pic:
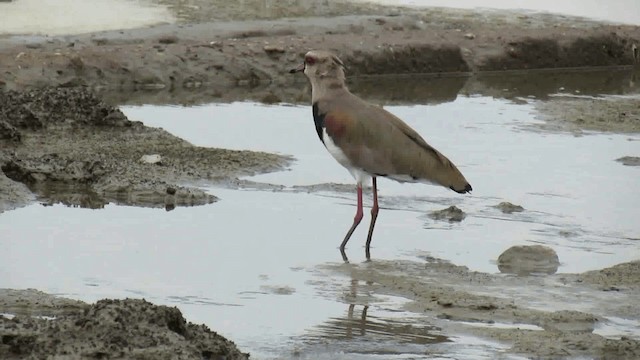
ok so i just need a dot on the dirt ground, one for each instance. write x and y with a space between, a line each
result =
224 59
121 329
62 140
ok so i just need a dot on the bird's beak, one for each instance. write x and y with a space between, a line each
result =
300 68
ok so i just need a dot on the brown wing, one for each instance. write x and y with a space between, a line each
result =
384 145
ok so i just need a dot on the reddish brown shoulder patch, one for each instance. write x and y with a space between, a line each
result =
336 123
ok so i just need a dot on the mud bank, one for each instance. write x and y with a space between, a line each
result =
206 52
576 114
496 307
38 325
67 146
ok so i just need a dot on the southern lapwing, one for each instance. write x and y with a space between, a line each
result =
368 140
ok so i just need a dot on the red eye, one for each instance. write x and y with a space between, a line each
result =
309 60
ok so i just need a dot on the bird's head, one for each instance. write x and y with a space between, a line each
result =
319 65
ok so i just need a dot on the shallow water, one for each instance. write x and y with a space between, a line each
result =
557 177
250 265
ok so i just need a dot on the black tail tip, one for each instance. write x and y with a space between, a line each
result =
466 189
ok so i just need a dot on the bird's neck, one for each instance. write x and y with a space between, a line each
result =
322 86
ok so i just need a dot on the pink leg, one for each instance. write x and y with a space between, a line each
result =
356 221
374 216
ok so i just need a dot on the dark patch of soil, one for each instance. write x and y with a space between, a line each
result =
113 329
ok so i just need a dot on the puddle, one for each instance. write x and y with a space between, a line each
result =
557 178
615 328
62 17
272 242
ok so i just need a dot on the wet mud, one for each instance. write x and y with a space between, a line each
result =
577 114
67 146
43 326
490 306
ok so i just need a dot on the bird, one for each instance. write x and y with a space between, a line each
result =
369 141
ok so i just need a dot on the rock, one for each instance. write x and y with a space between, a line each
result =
528 259
13 195
273 49
151 159
9 132
37 109
508 208
451 214
470 36
168 39
629 160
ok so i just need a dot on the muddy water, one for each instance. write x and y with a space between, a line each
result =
261 266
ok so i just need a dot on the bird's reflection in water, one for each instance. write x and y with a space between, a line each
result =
361 332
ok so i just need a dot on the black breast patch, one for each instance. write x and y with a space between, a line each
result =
318 119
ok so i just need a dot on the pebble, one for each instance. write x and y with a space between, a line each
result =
151 159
